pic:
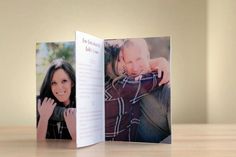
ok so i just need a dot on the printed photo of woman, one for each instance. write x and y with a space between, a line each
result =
56 102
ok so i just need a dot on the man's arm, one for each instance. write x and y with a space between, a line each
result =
134 89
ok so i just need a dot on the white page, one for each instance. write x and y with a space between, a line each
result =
90 128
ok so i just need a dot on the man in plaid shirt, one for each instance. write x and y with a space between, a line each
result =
121 104
122 109
155 120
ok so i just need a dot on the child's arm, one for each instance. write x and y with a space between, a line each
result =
134 89
161 65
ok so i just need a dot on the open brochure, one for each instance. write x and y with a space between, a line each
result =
92 90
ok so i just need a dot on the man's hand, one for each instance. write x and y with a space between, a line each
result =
162 66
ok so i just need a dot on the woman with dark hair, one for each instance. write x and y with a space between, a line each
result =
57 90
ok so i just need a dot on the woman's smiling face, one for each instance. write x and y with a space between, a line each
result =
61 85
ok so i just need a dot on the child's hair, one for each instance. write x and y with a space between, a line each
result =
111 57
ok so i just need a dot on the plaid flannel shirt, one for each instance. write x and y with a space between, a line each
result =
122 109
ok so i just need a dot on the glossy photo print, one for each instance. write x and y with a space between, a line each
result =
137 90
55 99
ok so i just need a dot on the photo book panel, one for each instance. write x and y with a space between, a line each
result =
137 90
92 90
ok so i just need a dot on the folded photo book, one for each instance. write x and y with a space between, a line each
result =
92 90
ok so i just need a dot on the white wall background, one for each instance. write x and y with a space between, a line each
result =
202 38
221 57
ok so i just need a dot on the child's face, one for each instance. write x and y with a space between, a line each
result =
61 85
